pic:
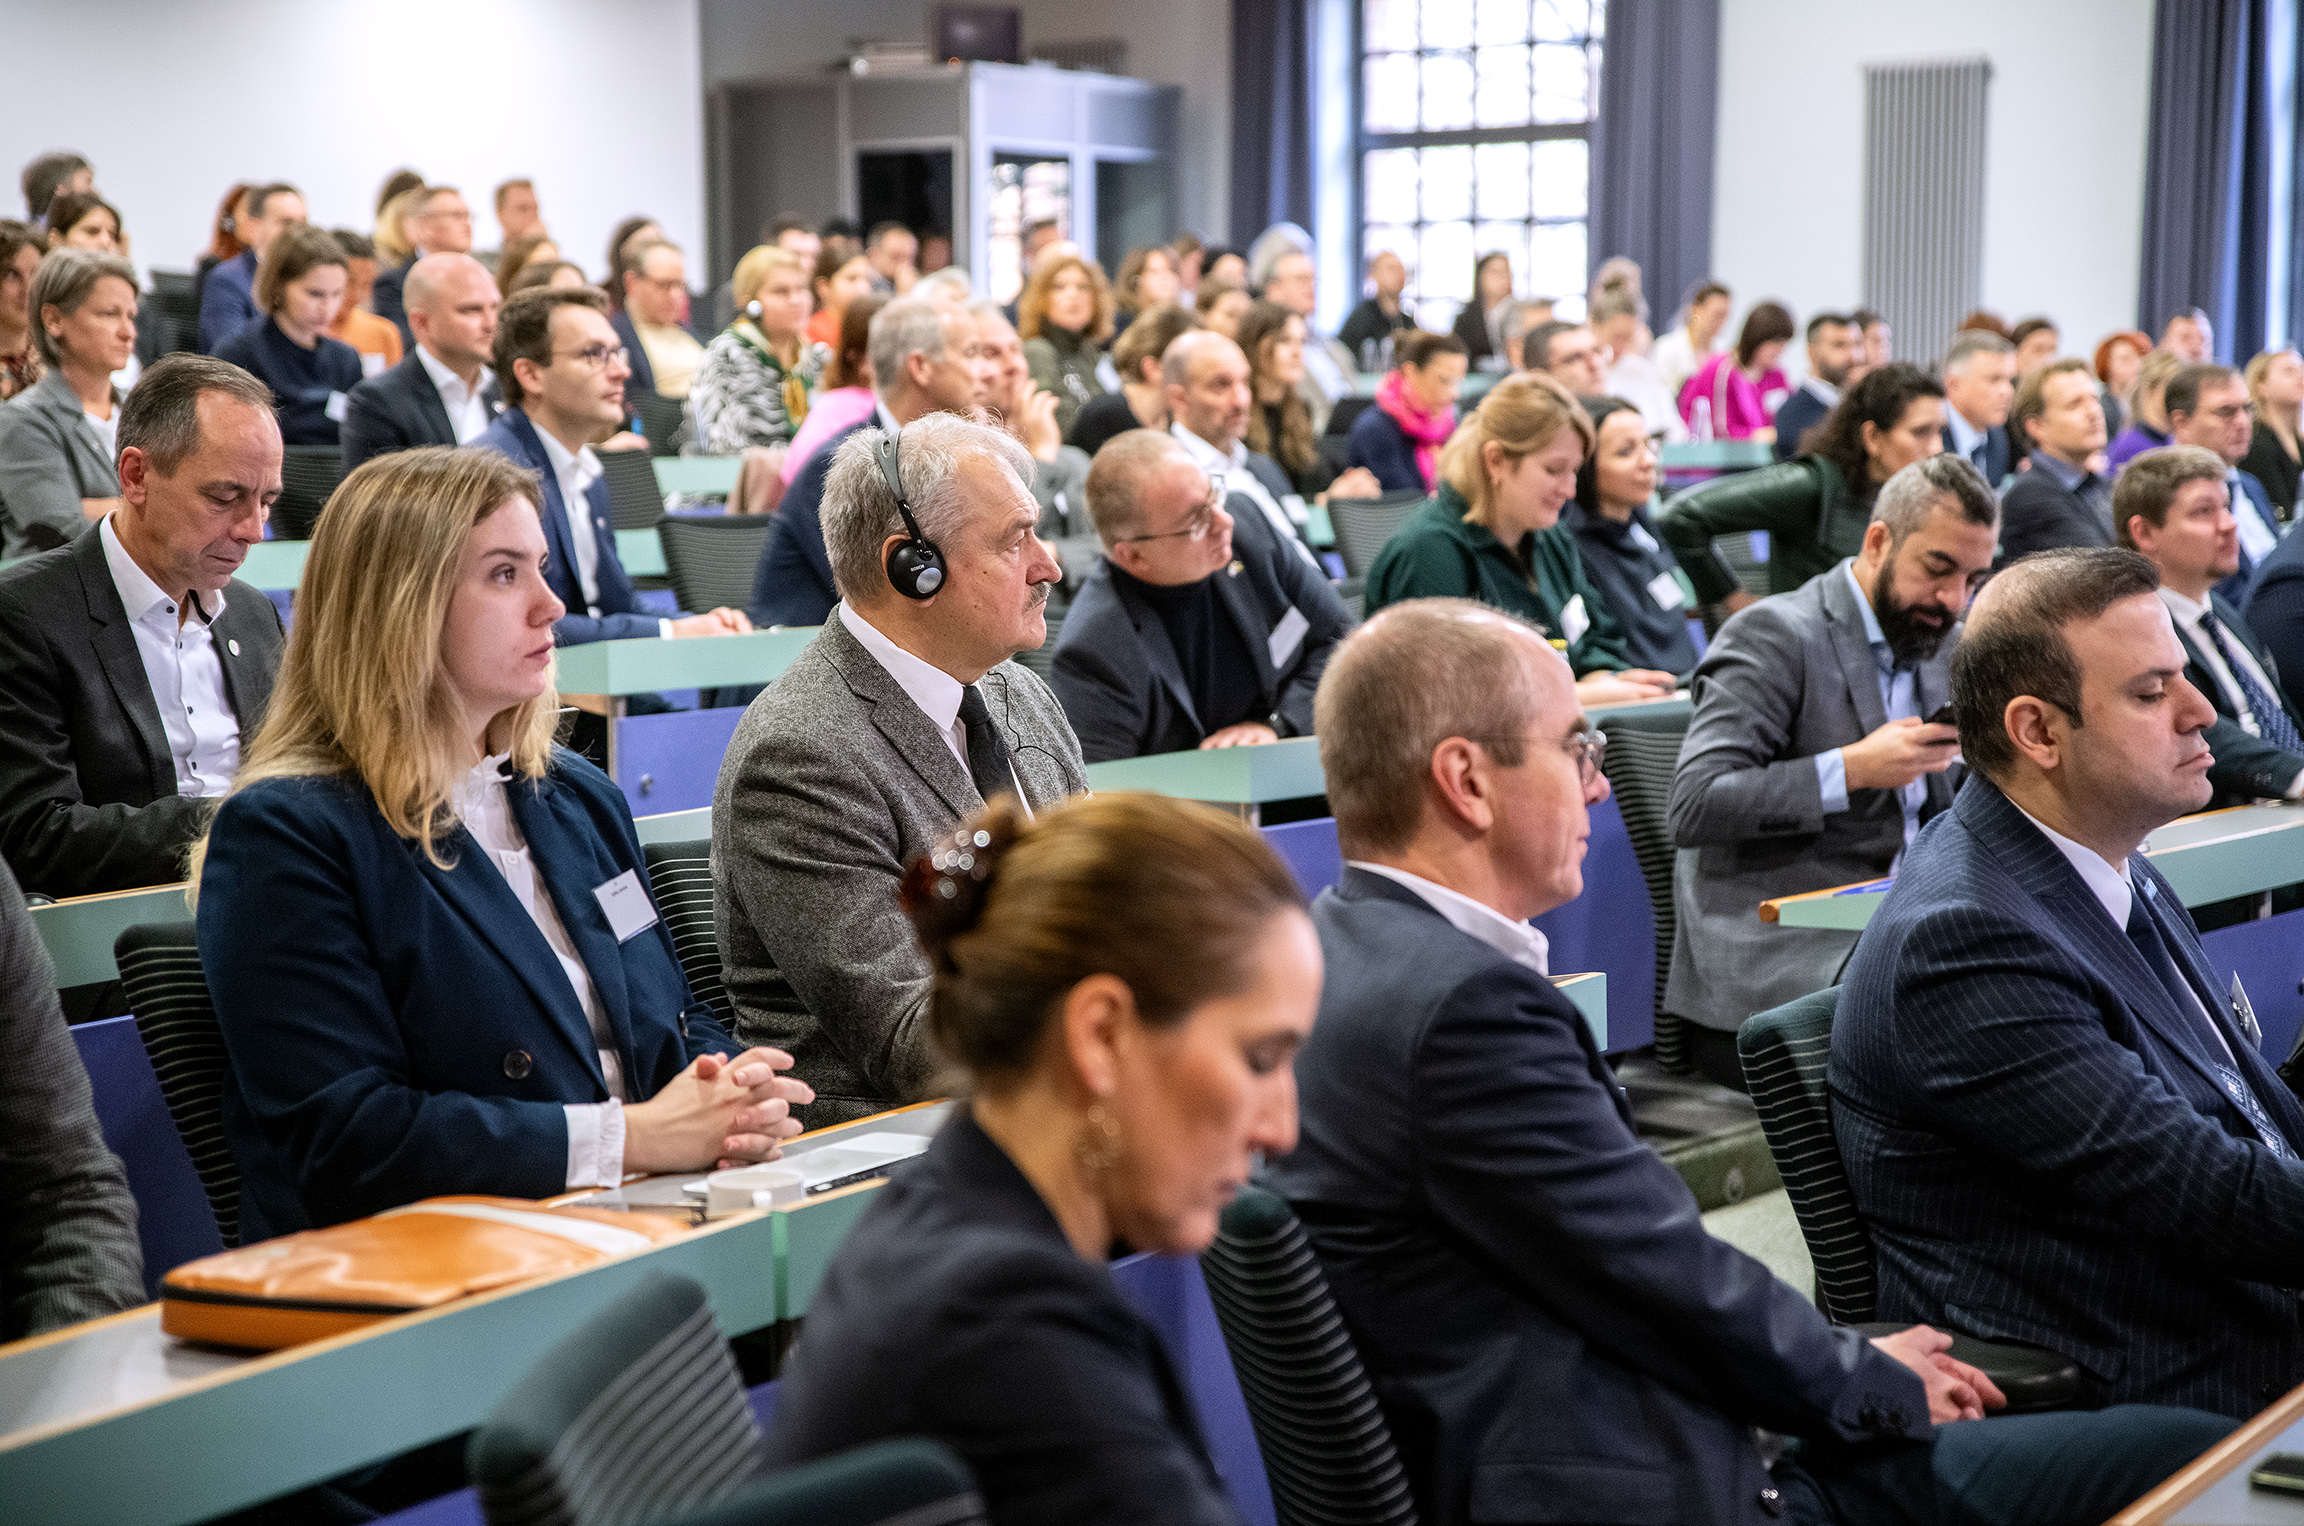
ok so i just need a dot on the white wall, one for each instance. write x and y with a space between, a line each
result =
596 100
2065 133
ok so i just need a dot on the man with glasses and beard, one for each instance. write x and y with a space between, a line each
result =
1817 749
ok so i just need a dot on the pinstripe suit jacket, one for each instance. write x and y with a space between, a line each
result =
2036 1136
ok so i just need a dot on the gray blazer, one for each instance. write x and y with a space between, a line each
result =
1786 679
833 784
50 459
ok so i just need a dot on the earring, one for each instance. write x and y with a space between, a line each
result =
1098 1144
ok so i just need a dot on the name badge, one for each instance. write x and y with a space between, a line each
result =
1573 621
371 365
1664 588
2244 1014
338 405
627 905
1642 539
1288 638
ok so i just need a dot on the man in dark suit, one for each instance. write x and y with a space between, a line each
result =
133 665
1979 384
1811 760
2208 407
2173 507
1833 343
444 391
2061 501
926 356
1550 1332
904 715
441 224
562 373
2050 1103
1187 635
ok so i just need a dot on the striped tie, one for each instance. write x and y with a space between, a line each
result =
2272 723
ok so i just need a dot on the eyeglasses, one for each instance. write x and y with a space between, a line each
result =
1197 527
1589 748
598 357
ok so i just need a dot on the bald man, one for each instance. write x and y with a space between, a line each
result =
443 392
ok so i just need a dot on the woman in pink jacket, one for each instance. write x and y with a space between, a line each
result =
1734 395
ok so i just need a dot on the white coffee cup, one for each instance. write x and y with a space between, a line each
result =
748 1187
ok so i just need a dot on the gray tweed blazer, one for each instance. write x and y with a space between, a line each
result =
834 783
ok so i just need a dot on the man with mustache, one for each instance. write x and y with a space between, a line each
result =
2052 1110
1812 758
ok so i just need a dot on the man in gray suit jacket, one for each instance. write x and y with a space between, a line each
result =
901 717
1811 760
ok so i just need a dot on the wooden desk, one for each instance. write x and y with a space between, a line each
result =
2213 1489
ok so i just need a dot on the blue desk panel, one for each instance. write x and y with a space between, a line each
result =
671 762
173 1219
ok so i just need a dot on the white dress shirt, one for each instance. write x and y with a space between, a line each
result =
1900 698
181 665
577 471
1233 467
467 409
2186 612
595 1129
935 691
1516 941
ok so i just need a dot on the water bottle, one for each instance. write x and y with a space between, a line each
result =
1700 427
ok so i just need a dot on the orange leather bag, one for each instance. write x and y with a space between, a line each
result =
322 1282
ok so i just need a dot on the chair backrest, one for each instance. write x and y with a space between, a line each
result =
161 976
1327 1451
664 420
636 1415
910 1482
1042 658
712 562
1641 762
308 478
1784 1052
635 502
680 875
1363 525
1346 412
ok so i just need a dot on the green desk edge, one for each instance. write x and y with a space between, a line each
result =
1716 455
701 662
697 476
641 552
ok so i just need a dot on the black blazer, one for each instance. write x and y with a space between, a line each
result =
1999 461
2246 767
957 1310
399 409
88 796
2036 1136
2038 513
1801 412
1118 677
1549 1329
2275 613
1472 327
2268 462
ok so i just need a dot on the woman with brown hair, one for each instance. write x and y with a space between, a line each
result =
1221 305
519 253
1147 280
1735 395
2276 407
1064 319
20 248
474 993
299 288
1279 420
1120 1089
842 276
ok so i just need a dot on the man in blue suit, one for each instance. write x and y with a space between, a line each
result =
2208 407
1550 1332
2050 1103
1979 385
563 373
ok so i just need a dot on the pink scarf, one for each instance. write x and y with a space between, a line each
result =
1429 430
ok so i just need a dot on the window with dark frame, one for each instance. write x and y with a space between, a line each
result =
1475 121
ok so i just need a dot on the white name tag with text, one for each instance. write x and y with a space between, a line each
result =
338 405
627 905
1288 637
1573 621
1664 588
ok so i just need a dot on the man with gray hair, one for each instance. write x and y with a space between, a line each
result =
1185 637
902 716
1817 750
926 356
1979 386
132 663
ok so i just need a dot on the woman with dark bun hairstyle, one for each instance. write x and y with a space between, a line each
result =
1123 984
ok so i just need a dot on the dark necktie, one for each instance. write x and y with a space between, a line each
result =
987 754
2144 932
2272 723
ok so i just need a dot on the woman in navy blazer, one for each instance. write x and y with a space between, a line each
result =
427 930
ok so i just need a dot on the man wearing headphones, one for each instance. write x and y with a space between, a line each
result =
903 715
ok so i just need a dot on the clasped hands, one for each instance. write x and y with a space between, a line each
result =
1956 1391
719 1112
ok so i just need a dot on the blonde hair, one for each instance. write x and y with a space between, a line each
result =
393 245
753 269
361 689
1521 413
1032 307
2257 370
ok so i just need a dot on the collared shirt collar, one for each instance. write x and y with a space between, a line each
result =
1965 436
2111 886
138 593
2186 609
586 466
935 691
2070 476
1824 391
450 384
1872 634
1207 456
1516 941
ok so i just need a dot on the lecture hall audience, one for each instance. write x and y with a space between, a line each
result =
20 250
1569 353
375 341
299 287
1221 305
842 276
893 252
1289 277
1280 423
1619 318
1142 399
1695 334
1147 280
51 175
445 392
1210 401
2148 417
518 254
1479 323
2037 343
1833 344
1370 328
650 319
752 387
2189 336
57 437
2119 358
844 396
84 220
438 221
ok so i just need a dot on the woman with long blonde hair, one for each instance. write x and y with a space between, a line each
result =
2276 413
427 930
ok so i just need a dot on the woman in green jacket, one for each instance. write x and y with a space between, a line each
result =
1065 317
1814 507
1491 532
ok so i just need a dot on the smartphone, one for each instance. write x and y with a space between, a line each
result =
2282 1471
1943 715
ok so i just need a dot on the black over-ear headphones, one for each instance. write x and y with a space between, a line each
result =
915 566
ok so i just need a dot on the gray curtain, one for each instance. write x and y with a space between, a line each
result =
1652 146
2207 190
1271 115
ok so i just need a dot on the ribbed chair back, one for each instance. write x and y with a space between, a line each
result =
1327 1451
308 478
680 875
635 502
909 1482
664 420
1363 525
636 1416
711 562
160 973
1641 763
1042 658
1785 1051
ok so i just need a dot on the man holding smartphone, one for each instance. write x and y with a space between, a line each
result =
1818 747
